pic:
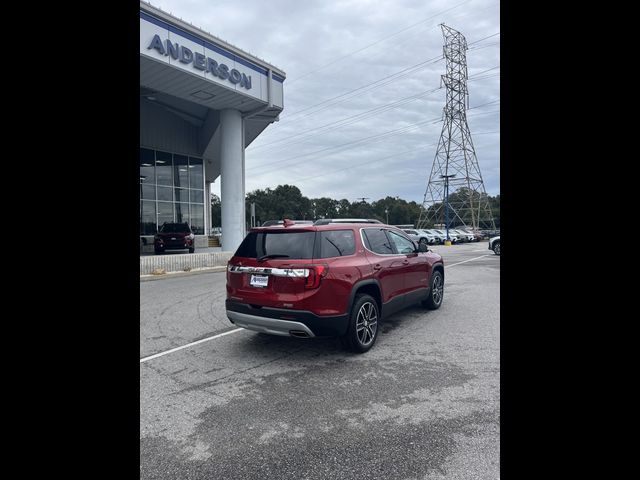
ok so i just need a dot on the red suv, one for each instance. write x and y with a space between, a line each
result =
329 280
174 236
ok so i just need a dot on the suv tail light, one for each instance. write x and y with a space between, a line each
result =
316 273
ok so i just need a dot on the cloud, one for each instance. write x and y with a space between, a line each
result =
314 43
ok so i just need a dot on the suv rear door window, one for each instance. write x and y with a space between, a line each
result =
376 241
295 245
403 245
336 243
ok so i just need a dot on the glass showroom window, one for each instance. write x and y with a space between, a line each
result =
147 192
171 190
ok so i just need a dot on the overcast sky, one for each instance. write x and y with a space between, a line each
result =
328 48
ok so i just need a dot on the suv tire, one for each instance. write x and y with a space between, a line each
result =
436 291
496 247
364 323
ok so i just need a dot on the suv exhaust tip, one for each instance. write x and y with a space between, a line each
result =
298 333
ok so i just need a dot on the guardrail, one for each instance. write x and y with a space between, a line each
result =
182 262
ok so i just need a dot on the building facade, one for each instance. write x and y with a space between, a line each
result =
202 102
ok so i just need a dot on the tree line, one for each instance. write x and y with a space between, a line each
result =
287 201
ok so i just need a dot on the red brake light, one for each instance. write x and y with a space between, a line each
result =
316 273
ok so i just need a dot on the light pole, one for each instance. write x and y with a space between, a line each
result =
386 210
446 205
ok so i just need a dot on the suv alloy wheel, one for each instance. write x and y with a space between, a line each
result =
436 292
363 324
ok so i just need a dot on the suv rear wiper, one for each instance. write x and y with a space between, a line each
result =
336 246
273 255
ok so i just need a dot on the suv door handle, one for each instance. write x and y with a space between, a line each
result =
377 266
406 262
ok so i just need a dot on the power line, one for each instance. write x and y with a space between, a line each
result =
347 120
388 79
375 43
369 162
354 118
404 72
376 137
345 123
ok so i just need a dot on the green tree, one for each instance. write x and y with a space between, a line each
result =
323 207
287 201
344 209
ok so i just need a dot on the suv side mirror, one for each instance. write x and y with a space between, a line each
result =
422 247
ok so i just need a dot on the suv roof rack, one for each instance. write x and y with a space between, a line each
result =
327 221
271 223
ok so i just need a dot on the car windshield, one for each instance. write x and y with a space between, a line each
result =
174 228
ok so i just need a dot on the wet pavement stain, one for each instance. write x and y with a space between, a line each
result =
258 435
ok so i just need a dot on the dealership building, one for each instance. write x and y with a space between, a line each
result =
202 102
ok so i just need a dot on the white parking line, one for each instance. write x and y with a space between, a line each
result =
151 357
189 345
465 261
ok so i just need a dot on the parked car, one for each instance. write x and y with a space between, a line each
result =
465 235
494 244
339 279
438 237
174 236
459 237
474 236
431 236
420 236
452 236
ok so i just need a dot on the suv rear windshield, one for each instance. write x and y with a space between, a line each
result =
175 228
295 245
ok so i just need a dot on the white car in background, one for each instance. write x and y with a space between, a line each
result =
440 238
432 234
494 244
452 236
469 237
420 236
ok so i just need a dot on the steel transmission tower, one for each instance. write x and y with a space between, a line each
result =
455 154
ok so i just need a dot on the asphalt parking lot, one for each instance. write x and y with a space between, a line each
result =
423 403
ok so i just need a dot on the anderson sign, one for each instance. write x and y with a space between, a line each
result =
199 61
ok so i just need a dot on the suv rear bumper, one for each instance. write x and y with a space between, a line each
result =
281 321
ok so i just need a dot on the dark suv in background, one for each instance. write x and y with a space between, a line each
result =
174 236
329 280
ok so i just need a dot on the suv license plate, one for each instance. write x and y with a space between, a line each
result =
259 280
